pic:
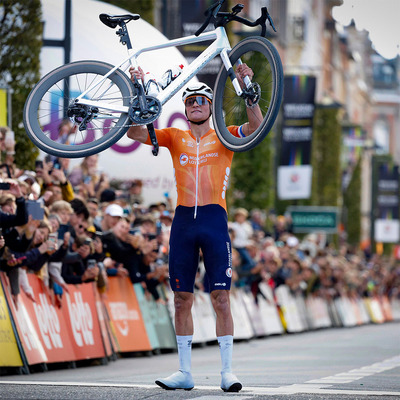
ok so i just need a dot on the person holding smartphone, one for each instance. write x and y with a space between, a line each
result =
20 216
76 267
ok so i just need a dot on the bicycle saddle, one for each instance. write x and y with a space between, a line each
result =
114 20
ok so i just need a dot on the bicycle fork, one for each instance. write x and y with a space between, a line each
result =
228 66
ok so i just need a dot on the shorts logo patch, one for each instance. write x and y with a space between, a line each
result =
183 159
229 272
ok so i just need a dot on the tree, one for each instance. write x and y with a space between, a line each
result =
351 202
252 177
20 44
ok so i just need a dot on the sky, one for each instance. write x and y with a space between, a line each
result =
379 17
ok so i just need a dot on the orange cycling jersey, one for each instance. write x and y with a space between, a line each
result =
201 166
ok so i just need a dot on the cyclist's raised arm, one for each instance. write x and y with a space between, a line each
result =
254 114
138 133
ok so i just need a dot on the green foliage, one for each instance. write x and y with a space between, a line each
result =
20 45
326 181
252 177
144 8
351 203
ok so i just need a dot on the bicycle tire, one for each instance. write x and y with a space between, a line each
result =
229 109
44 109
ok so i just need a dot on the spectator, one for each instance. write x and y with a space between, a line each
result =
79 218
76 268
8 217
87 179
113 213
241 239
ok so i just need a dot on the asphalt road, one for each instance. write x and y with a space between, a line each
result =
356 363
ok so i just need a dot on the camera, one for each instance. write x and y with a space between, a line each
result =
4 186
91 263
88 241
39 164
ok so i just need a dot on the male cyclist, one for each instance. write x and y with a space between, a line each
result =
202 166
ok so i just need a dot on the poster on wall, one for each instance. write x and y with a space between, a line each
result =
386 210
294 170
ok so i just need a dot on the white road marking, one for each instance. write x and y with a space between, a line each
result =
315 386
243 395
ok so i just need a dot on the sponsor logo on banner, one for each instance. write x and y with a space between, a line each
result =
387 231
26 331
120 314
48 322
81 320
294 182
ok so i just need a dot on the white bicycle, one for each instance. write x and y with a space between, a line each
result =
102 101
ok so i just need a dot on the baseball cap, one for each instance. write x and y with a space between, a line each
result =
115 210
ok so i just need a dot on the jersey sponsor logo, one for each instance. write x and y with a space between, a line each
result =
190 144
220 284
229 272
209 143
183 159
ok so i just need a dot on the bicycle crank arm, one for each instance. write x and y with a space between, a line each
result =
153 138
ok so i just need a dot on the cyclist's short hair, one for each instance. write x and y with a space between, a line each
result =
197 88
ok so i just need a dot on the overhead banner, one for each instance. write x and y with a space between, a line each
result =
295 171
386 210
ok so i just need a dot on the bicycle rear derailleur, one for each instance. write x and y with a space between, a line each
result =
81 114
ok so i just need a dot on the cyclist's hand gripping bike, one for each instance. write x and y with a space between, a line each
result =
102 102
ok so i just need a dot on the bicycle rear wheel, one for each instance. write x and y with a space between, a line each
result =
229 109
52 100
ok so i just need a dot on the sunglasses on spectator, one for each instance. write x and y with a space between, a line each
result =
200 100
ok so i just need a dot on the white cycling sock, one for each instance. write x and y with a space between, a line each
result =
185 352
226 346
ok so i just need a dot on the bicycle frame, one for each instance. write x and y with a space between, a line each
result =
219 46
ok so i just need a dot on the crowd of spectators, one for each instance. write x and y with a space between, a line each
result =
71 226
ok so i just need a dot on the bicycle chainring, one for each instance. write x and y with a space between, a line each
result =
144 115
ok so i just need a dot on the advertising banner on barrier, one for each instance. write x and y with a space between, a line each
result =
9 353
157 320
80 314
50 334
125 316
41 326
110 345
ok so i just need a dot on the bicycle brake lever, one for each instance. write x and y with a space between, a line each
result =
270 21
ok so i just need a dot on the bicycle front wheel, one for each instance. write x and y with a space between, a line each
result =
267 83
95 129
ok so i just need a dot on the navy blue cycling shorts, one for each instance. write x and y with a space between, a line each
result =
208 232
